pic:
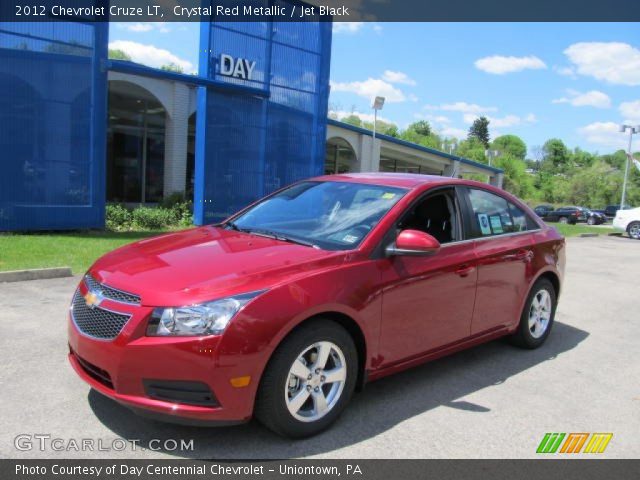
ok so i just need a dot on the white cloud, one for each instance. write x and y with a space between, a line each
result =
366 117
150 55
613 62
461 107
606 134
630 111
397 77
141 27
347 27
565 71
592 98
501 122
377 28
436 119
453 132
499 65
369 88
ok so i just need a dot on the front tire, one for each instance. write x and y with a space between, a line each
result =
591 221
634 230
309 380
537 316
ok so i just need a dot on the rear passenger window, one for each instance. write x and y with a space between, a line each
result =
493 215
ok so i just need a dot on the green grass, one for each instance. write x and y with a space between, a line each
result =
77 250
575 230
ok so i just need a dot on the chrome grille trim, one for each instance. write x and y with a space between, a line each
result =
97 322
110 292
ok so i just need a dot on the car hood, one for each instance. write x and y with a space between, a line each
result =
205 263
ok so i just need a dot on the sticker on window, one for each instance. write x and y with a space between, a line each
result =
349 238
483 221
388 195
496 223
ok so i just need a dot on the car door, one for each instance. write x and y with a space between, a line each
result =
427 301
503 246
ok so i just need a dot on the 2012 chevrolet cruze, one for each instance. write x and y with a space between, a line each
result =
284 309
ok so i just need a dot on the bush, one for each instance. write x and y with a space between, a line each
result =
148 218
117 218
178 215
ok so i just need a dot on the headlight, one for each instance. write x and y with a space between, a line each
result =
209 318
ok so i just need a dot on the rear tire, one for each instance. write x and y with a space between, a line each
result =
297 397
537 316
634 230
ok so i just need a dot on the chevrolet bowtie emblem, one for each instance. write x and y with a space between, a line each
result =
93 298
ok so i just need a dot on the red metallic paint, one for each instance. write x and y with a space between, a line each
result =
417 241
408 309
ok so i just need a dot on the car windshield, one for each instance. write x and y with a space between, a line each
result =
327 215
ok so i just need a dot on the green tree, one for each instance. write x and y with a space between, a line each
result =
510 145
480 129
421 127
516 180
117 54
172 67
352 120
556 157
473 149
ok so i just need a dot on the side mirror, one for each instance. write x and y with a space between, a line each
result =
413 243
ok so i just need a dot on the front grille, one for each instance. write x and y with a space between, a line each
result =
110 292
96 322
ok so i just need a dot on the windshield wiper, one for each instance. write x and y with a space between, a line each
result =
233 226
282 238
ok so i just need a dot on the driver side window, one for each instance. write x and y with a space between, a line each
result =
436 215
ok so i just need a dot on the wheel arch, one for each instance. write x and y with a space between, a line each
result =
350 325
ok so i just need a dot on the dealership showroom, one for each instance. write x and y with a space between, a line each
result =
82 131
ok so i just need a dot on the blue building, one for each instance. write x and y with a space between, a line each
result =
78 130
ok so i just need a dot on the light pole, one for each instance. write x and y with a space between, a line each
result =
632 130
378 103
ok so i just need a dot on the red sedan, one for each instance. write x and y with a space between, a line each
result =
284 309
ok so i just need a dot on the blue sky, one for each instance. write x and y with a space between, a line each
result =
574 81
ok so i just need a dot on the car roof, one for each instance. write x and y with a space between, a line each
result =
401 180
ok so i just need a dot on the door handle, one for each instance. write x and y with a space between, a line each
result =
522 255
464 270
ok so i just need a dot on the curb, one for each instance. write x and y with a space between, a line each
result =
35 274
589 235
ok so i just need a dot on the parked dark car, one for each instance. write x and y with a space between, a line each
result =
611 210
571 215
543 210
595 217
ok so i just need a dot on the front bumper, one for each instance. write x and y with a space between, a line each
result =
121 367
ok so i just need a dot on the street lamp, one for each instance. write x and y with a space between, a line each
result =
378 103
632 130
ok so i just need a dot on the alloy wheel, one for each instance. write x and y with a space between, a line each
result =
634 230
316 381
540 313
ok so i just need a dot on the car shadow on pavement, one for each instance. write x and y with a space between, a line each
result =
382 405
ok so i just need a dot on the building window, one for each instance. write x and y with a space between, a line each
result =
135 149
339 157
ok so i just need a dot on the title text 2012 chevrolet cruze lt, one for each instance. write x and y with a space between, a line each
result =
284 309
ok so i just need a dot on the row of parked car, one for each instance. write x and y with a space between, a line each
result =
625 219
575 214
